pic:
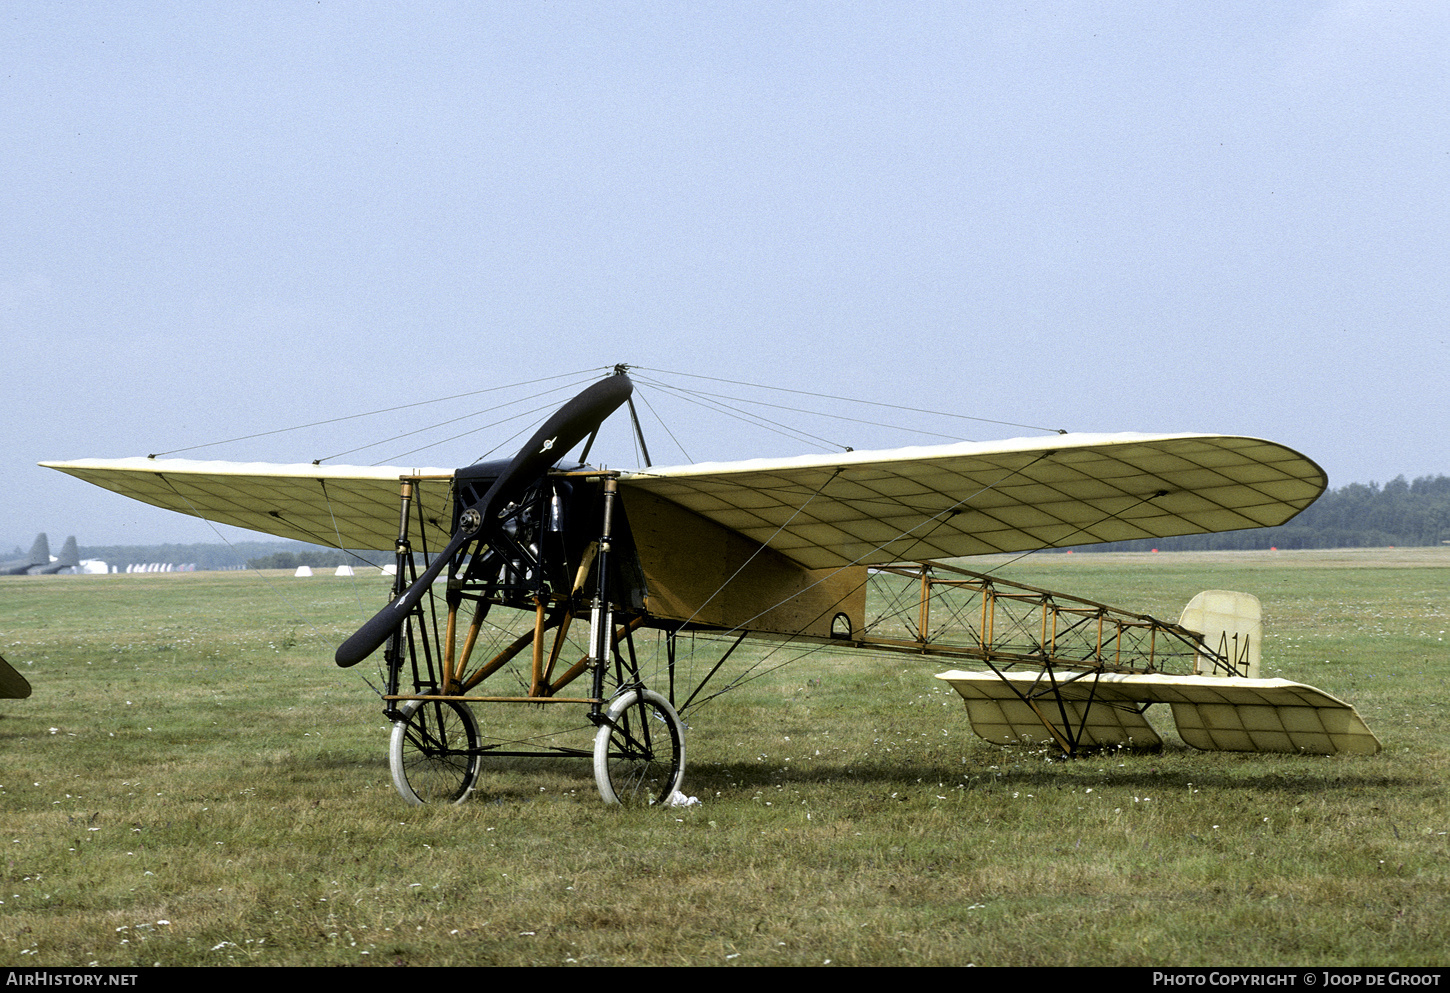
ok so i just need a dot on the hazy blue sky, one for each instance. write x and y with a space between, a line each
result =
221 219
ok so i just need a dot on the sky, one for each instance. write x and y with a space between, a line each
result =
224 219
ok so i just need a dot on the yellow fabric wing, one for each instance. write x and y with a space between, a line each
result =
946 501
339 506
821 511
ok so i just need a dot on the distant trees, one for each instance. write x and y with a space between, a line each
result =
321 559
245 554
204 556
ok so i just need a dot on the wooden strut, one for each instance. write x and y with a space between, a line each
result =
1056 623
449 631
499 661
582 666
543 685
1062 742
536 680
1061 620
564 622
471 640
546 688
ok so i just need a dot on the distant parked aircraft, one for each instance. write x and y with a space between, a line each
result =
39 562
39 555
70 557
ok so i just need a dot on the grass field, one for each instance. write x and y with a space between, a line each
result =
194 783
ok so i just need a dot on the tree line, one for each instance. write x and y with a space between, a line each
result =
322 558
239 555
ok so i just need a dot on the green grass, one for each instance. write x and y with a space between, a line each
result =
194 783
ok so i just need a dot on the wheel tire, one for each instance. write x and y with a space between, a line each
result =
639 752
433 753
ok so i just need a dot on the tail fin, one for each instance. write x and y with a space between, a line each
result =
1232 626
40 551
70 555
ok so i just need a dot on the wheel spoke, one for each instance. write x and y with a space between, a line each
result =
434 752
639 753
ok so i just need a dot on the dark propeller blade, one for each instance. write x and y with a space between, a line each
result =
569 425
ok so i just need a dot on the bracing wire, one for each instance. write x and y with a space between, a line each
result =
714 404
754 672
645 400
873 403
471 431
718 401
369 413
274 588
749 410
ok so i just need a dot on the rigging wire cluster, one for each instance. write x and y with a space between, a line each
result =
670 400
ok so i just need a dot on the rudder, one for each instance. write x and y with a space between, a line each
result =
1232 625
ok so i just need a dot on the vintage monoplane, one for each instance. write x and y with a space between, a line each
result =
792 550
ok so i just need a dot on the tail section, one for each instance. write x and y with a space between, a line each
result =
1232 627
40 551
1223 706
70 555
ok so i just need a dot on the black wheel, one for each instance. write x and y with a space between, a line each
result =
639 752
434 752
